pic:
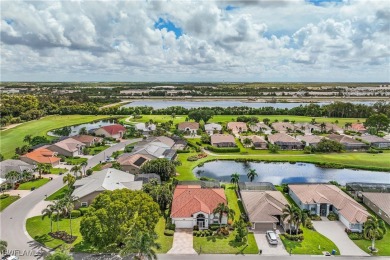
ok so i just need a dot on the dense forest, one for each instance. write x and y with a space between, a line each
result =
21 108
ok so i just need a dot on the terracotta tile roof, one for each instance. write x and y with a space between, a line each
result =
263 206
237 126
114 129
222 138
281 137
357 127
87 138
188 200
326 193
42 155
190 125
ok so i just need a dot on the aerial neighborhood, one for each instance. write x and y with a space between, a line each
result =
167 160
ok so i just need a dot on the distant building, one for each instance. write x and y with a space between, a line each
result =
376 141
88 140
132 163
258 142
348 142
379 203
332 128
223 140
237 127
310 140
283 127
307 128
212 128
145 128
41 155
285 142
358 127
261 127
114 131
18 166
189 127
67 147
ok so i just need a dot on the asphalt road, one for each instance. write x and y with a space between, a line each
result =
13 218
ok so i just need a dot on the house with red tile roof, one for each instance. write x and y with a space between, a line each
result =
41 155
358 127
193 205
321 199
114 131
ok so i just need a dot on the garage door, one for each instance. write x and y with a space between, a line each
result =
264 226
183 223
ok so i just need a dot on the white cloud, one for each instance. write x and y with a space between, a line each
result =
260 40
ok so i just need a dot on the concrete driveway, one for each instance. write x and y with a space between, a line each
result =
182 243
267 249
334 230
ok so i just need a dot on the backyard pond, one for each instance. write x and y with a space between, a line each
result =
74 130
278 173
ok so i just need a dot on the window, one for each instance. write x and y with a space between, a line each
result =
84 204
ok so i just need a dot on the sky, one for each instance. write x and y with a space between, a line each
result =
196 41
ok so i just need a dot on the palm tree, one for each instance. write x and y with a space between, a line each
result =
313 121
289 214
235 178
76 170
252 174
83 131
323 127
48 212
41 169
69 179
26 175
141 244
347 125
223 209
12 177
47 168
373 228
84 165
58 208
247 142
3 246
68 206
27 139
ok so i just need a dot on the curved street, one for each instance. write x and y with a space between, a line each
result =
13 218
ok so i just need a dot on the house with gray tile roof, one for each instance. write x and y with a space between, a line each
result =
376 141
9 165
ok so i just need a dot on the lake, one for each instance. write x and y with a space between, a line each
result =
89 126
156 104
278 173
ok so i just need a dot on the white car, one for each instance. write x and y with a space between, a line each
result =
271 237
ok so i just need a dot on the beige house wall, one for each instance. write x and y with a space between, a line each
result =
88 198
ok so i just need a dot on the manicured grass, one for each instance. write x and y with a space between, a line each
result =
163 240
34 183
75 161
310 244
57 170
233 201
12 138
383 245
7 201
58 194
97 149
97 167
39 229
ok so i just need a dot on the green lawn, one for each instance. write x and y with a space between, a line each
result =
57 170
12 138
163 240
58 194
7 201
227 245
34 183
97 149
75 161
383 245
310 244
39 229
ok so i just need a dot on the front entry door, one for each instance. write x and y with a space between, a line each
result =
201 224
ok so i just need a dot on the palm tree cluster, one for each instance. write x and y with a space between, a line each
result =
294 216
13 177
374 228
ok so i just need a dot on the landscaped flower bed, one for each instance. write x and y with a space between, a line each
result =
63 236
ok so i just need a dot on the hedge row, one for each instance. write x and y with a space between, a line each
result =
223 150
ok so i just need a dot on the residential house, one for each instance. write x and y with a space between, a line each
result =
283 127
264 208
309 140
194 206
331 128
132 163
379 203
148 177
212 128
321 199
285 142
68 147
114 131
18 166
180 143
258 142
88 140
307 128
237 127
260 127
145 128
358 127
376 141
348 142
189 127
223 140
155 149
41 155
88 188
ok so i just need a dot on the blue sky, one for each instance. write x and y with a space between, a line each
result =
195 40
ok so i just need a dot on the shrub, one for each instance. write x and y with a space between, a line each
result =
89 172
214 227
332 216
294 232
223 186
196 228
371 150
308 223
4 196
192 158
83 210
170 226
183 151
355 236
315 217
223 150
293 237
75 213
168 232
194 233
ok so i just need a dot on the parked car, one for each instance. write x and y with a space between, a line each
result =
271 237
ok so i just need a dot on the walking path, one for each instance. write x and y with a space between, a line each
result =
334 230
13 218
182 243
